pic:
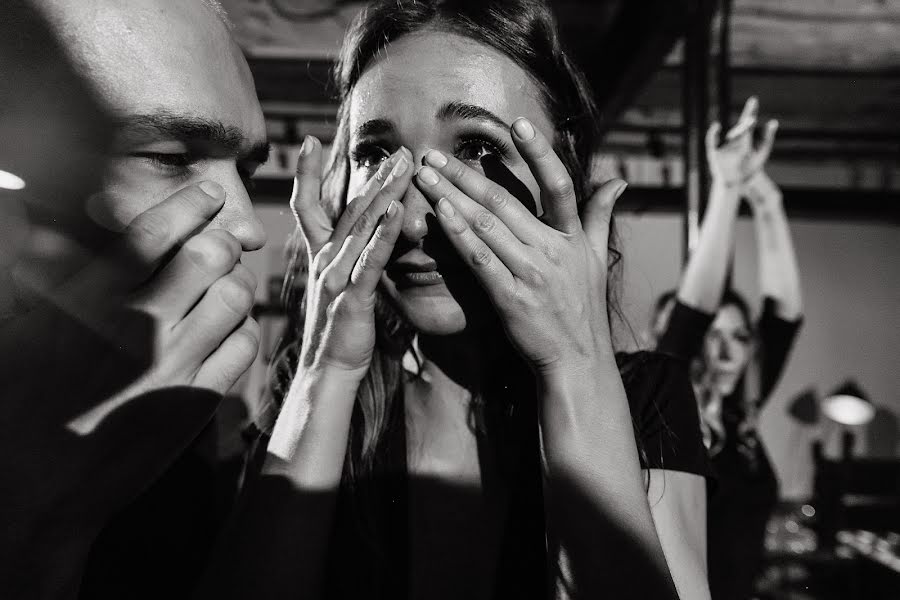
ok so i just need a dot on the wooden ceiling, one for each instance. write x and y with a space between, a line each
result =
833 64
829 70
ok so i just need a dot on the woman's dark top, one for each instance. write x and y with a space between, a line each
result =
156 547
746 489
667 424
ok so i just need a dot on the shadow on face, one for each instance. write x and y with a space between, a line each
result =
183 109
437 90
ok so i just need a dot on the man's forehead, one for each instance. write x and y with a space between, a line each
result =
147 56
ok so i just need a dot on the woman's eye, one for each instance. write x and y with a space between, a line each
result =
368 156
474 150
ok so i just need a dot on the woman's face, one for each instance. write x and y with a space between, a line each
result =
450 93
727 348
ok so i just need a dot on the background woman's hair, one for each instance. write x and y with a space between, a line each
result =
526 32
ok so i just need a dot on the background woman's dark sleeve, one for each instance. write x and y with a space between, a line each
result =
776 338
684 333
664 410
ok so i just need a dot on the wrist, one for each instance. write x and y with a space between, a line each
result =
762 191
570 393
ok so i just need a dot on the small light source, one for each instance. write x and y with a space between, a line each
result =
8 181
848 405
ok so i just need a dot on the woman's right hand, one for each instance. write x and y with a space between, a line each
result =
346 261
736 160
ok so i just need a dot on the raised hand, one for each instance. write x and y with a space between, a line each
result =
547 276
346 261
736 160
114 374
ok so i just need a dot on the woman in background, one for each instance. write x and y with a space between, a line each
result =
449 418
712 325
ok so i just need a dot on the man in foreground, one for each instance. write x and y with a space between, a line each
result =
125 310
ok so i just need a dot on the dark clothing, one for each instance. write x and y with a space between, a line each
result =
158 546
746 490
667 426
664 410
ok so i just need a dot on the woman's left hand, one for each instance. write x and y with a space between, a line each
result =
546 276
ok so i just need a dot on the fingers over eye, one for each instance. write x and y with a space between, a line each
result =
482 190
362 229
388 182
557 188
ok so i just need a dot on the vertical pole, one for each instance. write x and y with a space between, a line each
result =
695 117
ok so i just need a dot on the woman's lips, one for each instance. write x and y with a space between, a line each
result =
405 278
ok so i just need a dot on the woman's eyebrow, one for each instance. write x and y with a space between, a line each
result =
463 110
374 127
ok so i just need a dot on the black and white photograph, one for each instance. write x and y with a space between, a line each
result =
449 299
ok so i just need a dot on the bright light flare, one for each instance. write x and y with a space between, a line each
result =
848 410
8 181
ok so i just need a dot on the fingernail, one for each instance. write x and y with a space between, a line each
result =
213 189
400 166
523 128
621 189
306 148
435 159
445 207
391 209
428 176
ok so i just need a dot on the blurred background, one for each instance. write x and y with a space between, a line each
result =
662 70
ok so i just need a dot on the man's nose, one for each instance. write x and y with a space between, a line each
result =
237 217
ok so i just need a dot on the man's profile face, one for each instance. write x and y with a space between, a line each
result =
183 101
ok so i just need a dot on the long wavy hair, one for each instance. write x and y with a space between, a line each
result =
526 32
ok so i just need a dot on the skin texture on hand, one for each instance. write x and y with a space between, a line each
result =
545 276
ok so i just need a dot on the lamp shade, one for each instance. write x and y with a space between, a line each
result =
848 405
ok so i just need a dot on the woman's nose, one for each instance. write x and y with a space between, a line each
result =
724 351
417 214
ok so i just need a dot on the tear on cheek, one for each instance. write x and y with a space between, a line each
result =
499 173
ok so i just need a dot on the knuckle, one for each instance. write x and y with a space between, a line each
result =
210 253
150 229
485 222
367 259
562 186
534 275
235 295
355 207
496 199
363 224
481 256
